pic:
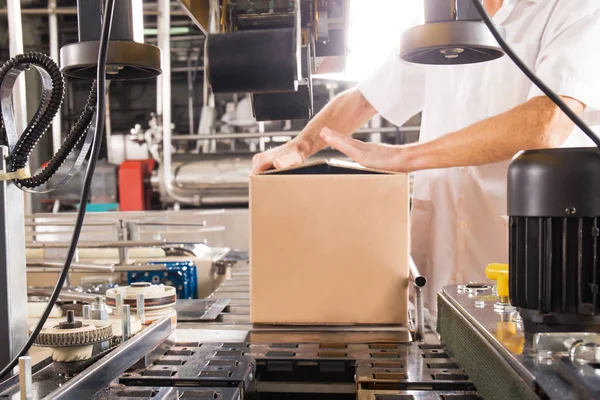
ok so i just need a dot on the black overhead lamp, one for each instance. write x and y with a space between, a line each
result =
128 57
453 33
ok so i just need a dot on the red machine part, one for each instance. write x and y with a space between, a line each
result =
135 191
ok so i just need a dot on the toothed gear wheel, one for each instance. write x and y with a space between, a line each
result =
90 332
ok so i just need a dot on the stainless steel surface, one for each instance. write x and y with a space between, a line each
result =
13 277
200 309
25 382
516 347
104 371
125 322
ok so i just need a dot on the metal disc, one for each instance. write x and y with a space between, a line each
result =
450 43
126 60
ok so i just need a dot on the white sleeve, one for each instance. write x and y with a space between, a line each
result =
396 89
569 59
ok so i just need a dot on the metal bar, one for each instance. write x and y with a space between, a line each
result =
190 85
125 322
286 133
104 371
15 35
67 223
13 277
139 306
186 69
104 269
98 245
25 381
54 54
65 296
44 266
71 11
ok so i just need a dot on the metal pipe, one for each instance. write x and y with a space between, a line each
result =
190 86
103 269
72 11
75 267
140 267
25 378
68 223
164 42
186 69
98 245
65 296
286 133
54 54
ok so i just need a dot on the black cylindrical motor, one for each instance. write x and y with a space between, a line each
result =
554 251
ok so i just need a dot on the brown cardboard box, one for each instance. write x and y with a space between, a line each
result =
329 245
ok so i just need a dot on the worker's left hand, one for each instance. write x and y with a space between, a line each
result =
370 155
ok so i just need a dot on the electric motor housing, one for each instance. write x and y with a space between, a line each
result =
554 249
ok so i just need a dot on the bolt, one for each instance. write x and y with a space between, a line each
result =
70 316
571 210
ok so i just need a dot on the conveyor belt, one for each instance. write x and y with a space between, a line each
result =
225 357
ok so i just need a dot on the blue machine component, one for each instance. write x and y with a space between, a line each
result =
179 274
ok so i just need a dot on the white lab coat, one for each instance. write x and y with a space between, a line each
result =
458 215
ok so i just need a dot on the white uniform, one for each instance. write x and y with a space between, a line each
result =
458 215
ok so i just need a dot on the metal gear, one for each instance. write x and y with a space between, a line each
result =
155 296
90 332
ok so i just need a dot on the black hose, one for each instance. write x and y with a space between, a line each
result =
85 192
532 77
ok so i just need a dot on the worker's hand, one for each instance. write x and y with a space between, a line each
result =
371 155
284 156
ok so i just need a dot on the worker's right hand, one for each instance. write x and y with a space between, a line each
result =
284 156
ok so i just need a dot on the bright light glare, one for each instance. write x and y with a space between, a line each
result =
138 21
375 30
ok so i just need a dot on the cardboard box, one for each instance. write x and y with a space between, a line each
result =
329 244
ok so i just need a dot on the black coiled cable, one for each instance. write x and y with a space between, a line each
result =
43 118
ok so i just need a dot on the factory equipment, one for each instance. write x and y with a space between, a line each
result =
221 355
270 49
